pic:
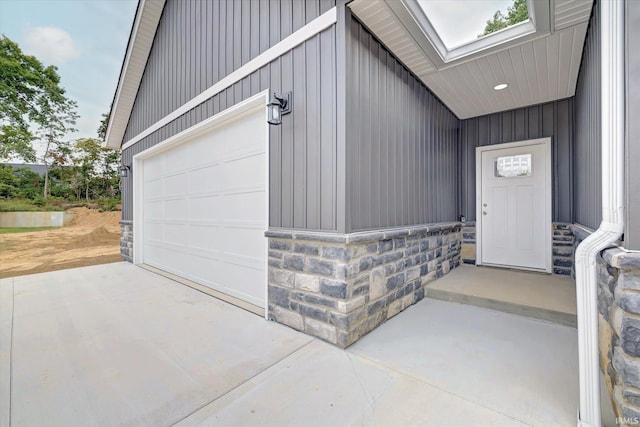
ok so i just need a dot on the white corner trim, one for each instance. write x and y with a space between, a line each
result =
303 34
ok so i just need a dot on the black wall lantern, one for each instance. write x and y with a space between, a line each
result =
278 107
124 171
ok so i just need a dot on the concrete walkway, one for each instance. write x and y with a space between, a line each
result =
118 345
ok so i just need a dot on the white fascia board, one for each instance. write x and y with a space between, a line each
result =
314 27
141 39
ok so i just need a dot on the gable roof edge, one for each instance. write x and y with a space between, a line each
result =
141 39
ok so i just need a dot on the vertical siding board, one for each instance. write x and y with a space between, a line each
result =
285 18
327 135
299 115
312 9
312 59
375 99
298 14
286 169
274 21
364 189
586 156
382 169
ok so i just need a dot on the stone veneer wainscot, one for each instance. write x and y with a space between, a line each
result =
339 287
126 240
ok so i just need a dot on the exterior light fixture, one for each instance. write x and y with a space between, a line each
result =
278 107
124 171
500 86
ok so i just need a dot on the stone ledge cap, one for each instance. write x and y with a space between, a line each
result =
361 236
619 258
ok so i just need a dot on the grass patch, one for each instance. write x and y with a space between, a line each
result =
25 205
10 230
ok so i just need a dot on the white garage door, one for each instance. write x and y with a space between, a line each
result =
204 208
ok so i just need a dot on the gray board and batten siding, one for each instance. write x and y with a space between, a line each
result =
402 151
181 65
552 119
587 160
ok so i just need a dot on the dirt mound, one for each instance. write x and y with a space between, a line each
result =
92 218
98 237
93 237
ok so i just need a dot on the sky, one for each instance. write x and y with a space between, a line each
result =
85 39
460 21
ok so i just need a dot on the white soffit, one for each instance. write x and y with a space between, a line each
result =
135 61
539 67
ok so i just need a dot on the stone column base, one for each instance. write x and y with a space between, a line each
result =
126 240
619 328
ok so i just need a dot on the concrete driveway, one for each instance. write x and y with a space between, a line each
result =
118 345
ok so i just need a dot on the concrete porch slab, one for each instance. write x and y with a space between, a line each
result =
534 295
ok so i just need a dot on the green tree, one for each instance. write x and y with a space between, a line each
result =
33 106
88 154
8 182
29 183
102 129
96 169
516 13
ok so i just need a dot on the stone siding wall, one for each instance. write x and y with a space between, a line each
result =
562 249
340 287
126 240
469 242
619 328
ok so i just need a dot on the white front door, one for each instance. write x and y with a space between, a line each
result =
514 204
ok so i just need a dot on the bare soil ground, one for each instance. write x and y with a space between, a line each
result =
93 237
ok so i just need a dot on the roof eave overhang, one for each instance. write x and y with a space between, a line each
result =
141 39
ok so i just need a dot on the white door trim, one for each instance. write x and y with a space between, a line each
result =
479 150
231 113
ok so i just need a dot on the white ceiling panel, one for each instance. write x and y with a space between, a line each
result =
540 69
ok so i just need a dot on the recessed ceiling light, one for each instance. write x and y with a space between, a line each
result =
500 86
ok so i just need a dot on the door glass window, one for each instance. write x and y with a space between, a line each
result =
510 166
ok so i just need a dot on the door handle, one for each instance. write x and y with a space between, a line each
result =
484 212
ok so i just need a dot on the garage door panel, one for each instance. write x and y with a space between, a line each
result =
154 253
242 241
205 179
176 234
175 185
177 160
205 209
248 170
153 168
206 237
206 148
153 209
153 189
174 209
241 206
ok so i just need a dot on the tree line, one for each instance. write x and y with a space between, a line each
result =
35 111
